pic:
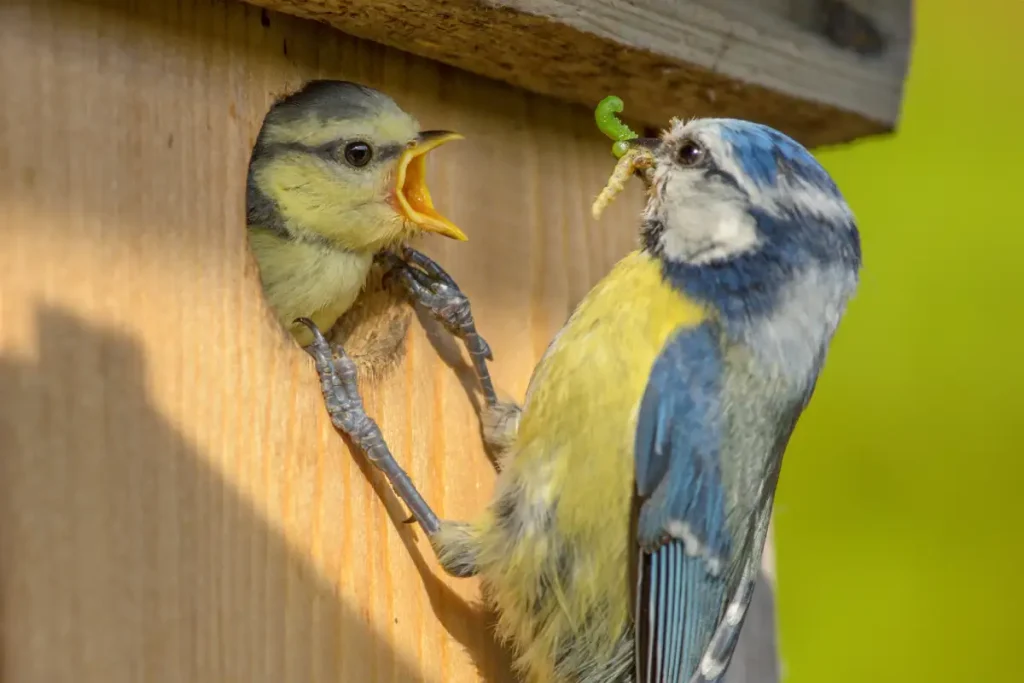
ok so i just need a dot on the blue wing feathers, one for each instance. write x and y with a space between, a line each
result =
663 623
677 442
651 615
675 610
680 613
681 527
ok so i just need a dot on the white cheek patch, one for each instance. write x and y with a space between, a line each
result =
703 224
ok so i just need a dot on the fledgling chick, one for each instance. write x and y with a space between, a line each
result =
336 178
627 526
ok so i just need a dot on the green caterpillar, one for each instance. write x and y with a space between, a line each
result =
608 123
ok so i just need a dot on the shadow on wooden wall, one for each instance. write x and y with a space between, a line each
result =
124 548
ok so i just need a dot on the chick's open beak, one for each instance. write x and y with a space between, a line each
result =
411 191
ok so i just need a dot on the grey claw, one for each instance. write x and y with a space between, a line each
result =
428 264
318 336
319 349
485 348
433 288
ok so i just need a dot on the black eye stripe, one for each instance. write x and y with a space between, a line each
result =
383 153
333 151
388 152
712 171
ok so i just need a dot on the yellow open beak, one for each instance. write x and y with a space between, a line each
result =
411 191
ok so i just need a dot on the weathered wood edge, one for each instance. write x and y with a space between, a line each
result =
665 58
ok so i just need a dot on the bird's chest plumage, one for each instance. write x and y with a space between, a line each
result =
558 545
307 278
769 371
584 396
561 521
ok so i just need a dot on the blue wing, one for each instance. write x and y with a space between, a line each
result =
685 547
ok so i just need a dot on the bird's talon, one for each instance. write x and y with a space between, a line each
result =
485 349
427 264
430 286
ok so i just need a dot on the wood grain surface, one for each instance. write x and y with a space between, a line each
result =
780 62
174 503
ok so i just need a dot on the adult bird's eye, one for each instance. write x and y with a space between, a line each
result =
358 153
690 153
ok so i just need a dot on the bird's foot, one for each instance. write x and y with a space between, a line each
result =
500 426
428 283
338 382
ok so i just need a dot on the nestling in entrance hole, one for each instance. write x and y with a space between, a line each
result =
336 185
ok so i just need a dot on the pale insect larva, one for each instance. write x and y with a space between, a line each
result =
635 158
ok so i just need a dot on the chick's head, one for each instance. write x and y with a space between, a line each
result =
341 162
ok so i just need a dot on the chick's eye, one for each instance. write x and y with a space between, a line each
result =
690 153
358 153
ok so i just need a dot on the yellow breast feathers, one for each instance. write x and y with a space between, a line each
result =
586 391
308 279
573 460
599 363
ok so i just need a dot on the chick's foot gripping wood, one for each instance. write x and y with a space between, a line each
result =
345 406
453 542
429 285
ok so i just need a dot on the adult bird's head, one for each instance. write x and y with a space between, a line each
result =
342 163
738 208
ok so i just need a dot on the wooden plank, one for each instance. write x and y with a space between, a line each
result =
824 71
174 504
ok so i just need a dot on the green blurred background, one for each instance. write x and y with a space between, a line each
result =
899 518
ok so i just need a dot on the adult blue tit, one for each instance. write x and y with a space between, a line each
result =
337 178
629 518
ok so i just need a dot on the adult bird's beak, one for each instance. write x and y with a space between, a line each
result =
411 191
646 171
650 144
